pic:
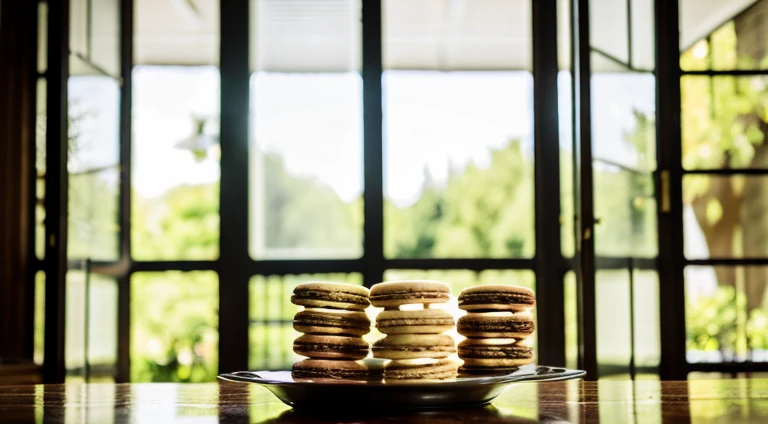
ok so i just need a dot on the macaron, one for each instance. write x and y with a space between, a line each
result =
331 295
497 298
494 353
331 321
495 325
321 346
411 346
393 294
425 321
323 368
409 369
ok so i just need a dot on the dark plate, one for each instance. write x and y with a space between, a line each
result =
336 394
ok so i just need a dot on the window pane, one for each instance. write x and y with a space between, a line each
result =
40 149
624 159
726 317
625 35
176 33
571 321
456 35
608 29
100 331
93 203
568 189
94 33
42 37
175 182
174 326
271 311
725 217
723 122
738 44
93 167
458 155
614 325
39 317
306 37
306 182
458 164
306 166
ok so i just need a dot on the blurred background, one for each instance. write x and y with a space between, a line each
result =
216 155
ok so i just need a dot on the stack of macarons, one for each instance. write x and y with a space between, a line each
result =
496 326
333 322
415 341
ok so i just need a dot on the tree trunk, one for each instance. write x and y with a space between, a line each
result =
719 235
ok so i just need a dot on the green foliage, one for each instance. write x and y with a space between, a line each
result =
302 212
183 224
712 322
174 326
479 212
722 116
93 229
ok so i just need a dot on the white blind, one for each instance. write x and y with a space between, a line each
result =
325 35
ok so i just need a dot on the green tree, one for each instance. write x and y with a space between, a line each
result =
478 212
302 212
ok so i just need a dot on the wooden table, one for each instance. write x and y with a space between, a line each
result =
702 401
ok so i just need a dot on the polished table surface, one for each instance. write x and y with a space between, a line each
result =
697 401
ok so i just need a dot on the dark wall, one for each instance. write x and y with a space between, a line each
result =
18 76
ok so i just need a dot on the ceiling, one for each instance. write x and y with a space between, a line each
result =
324 35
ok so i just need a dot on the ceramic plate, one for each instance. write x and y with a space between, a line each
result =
327 394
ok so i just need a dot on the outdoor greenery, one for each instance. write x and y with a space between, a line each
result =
724 123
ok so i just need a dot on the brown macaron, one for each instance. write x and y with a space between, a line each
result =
420 370
503 325
393 294
425 321
333 369
497 298
494 353
412 346
319 346
331 295
330 321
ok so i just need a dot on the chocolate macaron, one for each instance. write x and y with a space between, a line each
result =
497 298
322 368
321 346
331 295
412 346
495 325
495 353
330 321
425 321
393 294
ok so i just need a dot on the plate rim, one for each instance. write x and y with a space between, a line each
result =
561 373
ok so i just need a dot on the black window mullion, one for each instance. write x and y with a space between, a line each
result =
582 75
122 269
669 191
373 184
550 266
727 73
727 171
233 241
56 190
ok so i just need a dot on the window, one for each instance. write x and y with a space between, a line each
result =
724 184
